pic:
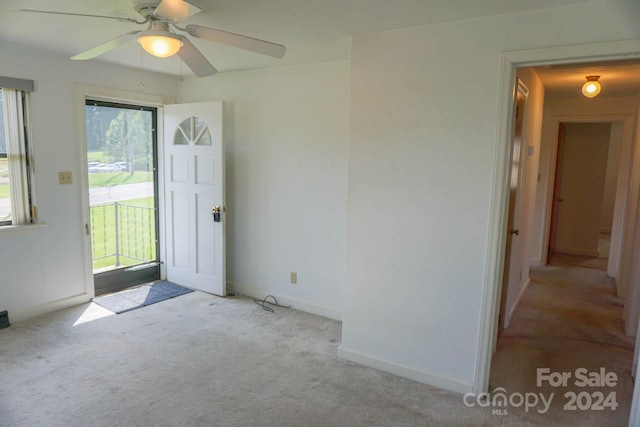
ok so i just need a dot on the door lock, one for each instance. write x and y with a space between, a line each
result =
216 213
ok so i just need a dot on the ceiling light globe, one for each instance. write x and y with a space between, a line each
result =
591 87
160 46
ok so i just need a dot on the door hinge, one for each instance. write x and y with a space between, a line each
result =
34 213
86 229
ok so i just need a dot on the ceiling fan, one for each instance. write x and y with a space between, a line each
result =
161 38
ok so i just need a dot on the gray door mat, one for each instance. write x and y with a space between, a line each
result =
130 299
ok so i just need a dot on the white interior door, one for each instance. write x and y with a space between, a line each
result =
194 187
583 167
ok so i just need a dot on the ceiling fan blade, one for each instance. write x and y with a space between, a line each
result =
82 14
237 40
175 10
194 59
106 47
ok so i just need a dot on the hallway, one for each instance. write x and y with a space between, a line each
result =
568 319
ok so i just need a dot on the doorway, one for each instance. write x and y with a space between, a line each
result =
121 158
561 291
583 195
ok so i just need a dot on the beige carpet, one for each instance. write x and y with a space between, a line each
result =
580 261
569 318
600 262
199 360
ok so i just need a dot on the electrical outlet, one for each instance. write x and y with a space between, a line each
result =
294 277
64 178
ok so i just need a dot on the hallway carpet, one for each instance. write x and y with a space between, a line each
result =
568 319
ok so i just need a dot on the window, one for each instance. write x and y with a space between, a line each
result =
15 167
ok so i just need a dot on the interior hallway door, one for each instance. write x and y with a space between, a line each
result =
579 188
512 232
194 196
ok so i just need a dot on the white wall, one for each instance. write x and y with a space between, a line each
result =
286 140
42 268
611 179
532 126
423 140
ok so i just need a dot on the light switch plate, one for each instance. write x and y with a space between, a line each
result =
64 178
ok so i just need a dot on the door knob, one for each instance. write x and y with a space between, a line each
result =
216 213
514 231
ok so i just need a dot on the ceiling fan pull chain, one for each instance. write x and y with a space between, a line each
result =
142 67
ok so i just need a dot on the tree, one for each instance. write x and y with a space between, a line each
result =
98 119
128 138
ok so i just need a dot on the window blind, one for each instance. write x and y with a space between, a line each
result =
16 84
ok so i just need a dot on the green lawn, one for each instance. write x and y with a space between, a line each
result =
136 233
96 156
104 179
4 172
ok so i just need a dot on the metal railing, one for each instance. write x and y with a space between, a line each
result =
122 234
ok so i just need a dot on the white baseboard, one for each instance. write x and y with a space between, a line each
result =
49 307
507 320
258 293
536 262
405 371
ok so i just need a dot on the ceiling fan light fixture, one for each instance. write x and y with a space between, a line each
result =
159 43
591 88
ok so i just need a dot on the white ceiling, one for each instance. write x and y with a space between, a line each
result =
616 78
312 30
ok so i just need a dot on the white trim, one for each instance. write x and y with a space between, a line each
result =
82 92
509 316
625 187
122 96
24 230
634 416
488 321
258 293
625 49
405 371
49 307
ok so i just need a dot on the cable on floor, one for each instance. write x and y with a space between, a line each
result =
263 303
